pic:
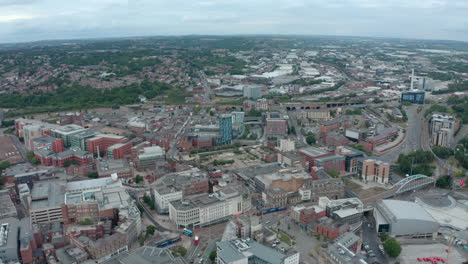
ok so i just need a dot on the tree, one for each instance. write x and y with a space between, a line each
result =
213 255
93 175
138 179
4 165
392 247
67 163
150 230
444 182
182 251
293 130
310 139
383 235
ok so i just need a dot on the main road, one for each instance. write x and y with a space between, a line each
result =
413 131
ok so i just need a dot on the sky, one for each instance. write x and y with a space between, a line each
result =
32 20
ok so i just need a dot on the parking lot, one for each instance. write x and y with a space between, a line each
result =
411 253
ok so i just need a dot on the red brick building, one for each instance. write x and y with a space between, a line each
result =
102 142
327 227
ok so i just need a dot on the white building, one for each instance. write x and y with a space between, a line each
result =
286 145
206 208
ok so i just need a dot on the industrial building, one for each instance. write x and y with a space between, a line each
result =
402 218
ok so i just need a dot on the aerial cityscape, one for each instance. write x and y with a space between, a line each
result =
234 149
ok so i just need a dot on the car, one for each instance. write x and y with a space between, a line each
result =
372 255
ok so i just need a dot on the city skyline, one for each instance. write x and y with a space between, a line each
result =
34 20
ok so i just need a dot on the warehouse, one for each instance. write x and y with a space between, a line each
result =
401 218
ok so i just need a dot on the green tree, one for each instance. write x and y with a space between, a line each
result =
150 230
293 130
392 247
310 139
138 179
4 165
182 251
213 255
93 175
444 182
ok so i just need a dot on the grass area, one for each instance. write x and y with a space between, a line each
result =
285 238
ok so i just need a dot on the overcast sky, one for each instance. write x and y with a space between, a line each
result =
29 20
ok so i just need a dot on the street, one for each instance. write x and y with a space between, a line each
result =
304 243
369 236
412 142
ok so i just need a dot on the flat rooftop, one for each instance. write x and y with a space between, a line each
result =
48 194
146 255
241 249
313 152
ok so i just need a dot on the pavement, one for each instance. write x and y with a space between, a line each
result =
369 236
304 243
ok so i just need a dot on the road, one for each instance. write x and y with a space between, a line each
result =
171 153
21 148
206 86
412 142
369 236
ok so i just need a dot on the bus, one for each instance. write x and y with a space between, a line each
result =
196 241
167 242
187 232
271 210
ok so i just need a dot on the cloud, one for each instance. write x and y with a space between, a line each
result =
26 20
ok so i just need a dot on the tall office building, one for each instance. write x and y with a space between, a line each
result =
443 128
252 92
225 129
238 121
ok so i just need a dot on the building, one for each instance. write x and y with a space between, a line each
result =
225 129
120 167
261 104
101 142
286 145
373 170
344 250
16 241
313 114
348 210
7 207
48 143
238 122
176 186
47 201
206 209
149 156
402 218
119 150
79 139
252 92
50 158
443 129
146 255
312 153
291 159
334 162
352 157
289 179
329 228
245 251
322 185
415 97
9 230
276 127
